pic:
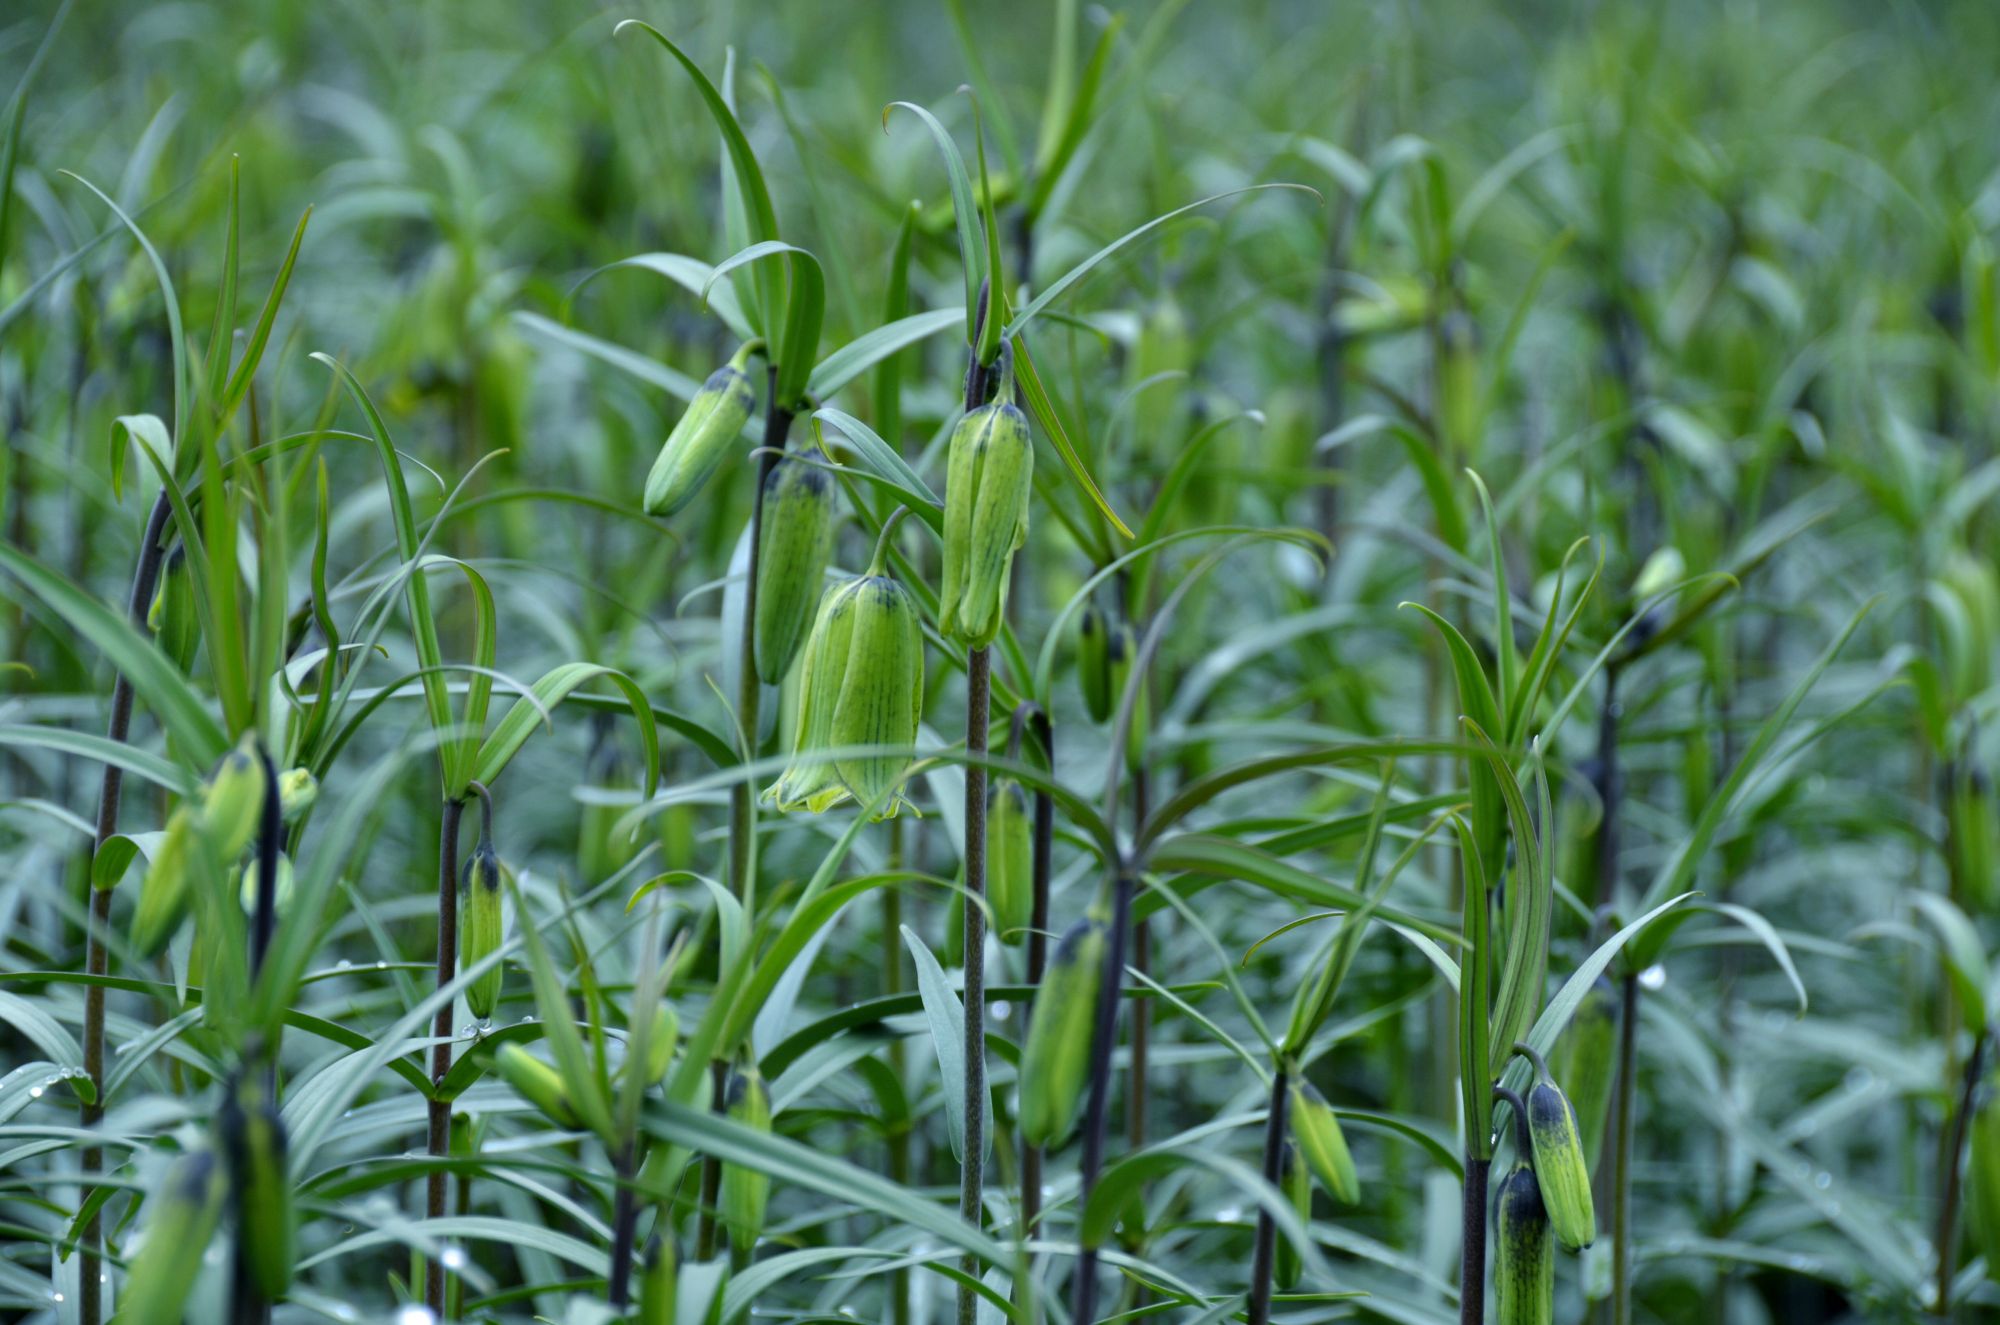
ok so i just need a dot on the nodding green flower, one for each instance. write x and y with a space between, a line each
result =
1316 1129
537 1083
746 1191
1524 1268
1010 860
481 927
180 1220
1061 1029
793 545
254 1139
863 687
226 812
988 481
1559 1166
700 441
1093 664
297 790
171 616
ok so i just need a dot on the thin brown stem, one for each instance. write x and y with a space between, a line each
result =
972 1172
1947 1225
1104 1035
1265 1252
1621 1160
90 1294
440 1109
1472 1243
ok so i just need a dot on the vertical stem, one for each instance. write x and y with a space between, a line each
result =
1947 1225
90 1295
1142 1011
440 1110
1267 1230
624 1222
711 1168
1609 787
1621 1173
1472 1235
749 690
1038 956
972 1176
1103 1034
892 984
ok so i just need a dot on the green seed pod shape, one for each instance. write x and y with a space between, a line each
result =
793 545
1316 1129
1524 1256
1010 860
745 1191
810 782
481 928
171 617
658 1280
1982 1178
1056 1059
988 481
281 891
232 803
536 1082
1559 1167
268 1223
163 896
1093 664
661 1042
1295 1179
181 1218
882 698
1585 1057
297 790
702 439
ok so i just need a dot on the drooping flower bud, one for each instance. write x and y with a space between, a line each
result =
232 804
536 1082
1010 860
703 437
226 812
793 545
180 1220
863 687
1316 1129
297 790
988 481
1056 1059
481 926
171 617
281 889
1524 1262
746 1191
1559 1166
1093 664
254 1139
163 895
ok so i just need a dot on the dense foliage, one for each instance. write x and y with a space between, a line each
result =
919 662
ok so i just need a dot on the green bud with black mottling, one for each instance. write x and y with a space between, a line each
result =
794 542
1295 1180
703 437
481 927
1010 860
988 481
254 1138
658 1279
1093 664
1586 1057
281 890
863 687
1982 1177
1316 1130
297 790
1524 1260
536 1082
181 1218
1056 1059
1559 1166
171 617
746 1191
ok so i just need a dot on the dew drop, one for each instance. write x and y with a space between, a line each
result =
415 1315
1822 1180
35 1093
343 965
55 1297
1653 977
452 1258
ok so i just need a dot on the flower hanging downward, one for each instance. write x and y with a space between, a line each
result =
699 442
987 484
863 677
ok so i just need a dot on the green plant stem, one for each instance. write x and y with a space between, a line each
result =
1621 1161
440 1110
1142 1012
1947 1225
892 984
90 1288
1103 1035
972 1175
1259 1312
